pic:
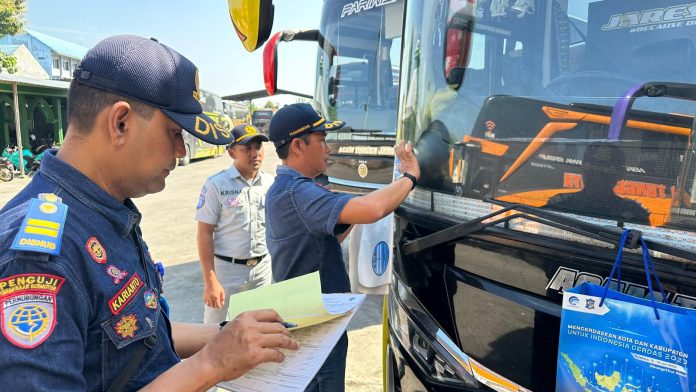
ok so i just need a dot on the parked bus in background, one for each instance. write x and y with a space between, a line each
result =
237 111
357 69
544 128
196 148
260 118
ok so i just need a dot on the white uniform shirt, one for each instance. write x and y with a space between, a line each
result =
235 206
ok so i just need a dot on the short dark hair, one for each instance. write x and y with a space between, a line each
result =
284 150
85 103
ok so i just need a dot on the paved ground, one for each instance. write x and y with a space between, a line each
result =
170 231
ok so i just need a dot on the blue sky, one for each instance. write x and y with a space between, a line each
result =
201 30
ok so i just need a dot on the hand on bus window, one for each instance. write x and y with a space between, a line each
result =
407 159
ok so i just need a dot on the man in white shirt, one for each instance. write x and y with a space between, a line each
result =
232 225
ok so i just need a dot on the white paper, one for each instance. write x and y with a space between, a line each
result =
341 303
300 367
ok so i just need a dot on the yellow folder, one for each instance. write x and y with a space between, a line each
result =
298 300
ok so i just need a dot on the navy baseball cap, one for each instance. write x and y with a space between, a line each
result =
155 74
293 120
245 133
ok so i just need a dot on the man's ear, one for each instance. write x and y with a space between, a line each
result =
297 146
120 117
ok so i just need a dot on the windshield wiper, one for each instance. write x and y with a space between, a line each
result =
609 234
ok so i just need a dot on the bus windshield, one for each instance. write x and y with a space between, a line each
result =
523 91
358 66
262 115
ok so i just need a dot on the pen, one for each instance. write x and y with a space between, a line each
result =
288 325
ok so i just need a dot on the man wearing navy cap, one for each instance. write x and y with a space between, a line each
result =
306 222
232 225
81 300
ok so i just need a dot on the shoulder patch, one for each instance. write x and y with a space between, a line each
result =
28 303
42 228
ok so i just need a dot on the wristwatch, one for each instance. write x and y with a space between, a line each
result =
410 177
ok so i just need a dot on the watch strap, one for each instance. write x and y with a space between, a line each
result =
410 177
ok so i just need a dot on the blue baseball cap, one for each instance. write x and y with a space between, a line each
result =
155 74
245 133
294 120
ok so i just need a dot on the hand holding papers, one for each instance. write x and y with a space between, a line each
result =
297 300
322 318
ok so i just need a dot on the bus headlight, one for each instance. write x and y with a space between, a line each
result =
435 353
421 343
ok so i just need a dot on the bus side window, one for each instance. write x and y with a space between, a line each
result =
513 72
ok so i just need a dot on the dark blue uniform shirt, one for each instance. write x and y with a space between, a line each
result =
73 321
301 230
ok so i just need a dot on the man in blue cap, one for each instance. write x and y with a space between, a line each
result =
232 225
81 300
306 223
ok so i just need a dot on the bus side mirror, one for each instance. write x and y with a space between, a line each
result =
252 21
270 64
270 54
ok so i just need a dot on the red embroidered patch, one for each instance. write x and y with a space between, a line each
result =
127 293
96 250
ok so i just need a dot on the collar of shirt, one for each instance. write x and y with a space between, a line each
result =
123 216
288 171
234 173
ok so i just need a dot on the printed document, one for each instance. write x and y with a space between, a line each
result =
321 320
299 367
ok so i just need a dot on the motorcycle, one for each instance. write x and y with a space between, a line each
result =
6 170
34 162
32 158
12 154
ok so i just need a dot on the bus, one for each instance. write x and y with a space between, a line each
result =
261 118
237 111
197 149
357 81
544 128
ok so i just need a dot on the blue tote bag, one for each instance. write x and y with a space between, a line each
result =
615 342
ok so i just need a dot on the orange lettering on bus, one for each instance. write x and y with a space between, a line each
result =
572 181
643 189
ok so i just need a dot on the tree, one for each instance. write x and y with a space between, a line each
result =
11 23
270 105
